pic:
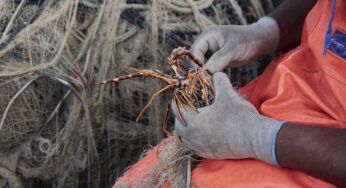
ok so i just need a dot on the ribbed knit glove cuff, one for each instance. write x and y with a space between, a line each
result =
265 149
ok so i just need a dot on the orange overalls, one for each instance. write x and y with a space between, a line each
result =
302 86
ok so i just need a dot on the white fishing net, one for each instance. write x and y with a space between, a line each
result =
58 125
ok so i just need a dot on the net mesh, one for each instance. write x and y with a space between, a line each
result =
57 123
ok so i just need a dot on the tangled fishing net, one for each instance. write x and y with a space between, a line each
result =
58 126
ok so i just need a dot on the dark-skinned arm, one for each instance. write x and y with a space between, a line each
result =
290 16
318 151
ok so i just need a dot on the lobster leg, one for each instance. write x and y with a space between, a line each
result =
164 126
204 90
130 76
151 100
197 62
188 101
152 74
207 81
212 87
143 73
177 107
193 82
181 104
180 53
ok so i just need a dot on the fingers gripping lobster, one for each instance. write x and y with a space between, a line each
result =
192 87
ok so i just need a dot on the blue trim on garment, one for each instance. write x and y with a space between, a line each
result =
338 44
274 142
329 30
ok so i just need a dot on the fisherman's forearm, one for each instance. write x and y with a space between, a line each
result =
290 16
318 151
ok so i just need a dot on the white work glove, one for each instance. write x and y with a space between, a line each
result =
235 45
230 128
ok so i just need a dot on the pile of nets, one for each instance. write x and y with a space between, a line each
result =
58 125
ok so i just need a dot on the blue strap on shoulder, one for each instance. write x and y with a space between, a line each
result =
274 142
329 30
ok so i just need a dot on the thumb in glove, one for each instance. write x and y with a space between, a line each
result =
231 128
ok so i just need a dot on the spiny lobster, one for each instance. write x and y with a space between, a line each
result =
192 86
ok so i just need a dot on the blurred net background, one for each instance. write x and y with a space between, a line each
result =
58 126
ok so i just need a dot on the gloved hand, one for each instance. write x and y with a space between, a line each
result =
230 128
235 45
